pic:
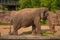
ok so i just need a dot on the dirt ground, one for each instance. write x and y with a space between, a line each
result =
4 30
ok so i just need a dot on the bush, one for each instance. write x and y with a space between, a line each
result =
43 22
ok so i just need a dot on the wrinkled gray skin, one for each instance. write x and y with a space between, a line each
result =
29 17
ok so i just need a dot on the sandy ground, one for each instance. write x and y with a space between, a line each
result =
4 30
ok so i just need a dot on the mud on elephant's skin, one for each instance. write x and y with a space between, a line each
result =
29 17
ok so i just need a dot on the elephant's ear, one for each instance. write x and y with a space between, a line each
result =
45 15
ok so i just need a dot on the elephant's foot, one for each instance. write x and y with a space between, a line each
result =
52 31
33 33
13 33
36 34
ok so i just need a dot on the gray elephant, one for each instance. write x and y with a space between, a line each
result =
29 17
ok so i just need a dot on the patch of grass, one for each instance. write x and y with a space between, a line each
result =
43 22
1 23
46 34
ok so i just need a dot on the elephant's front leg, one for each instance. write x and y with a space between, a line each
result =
52 28
37 24
15 29
33 29
14 32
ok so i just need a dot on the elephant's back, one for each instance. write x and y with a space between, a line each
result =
27 10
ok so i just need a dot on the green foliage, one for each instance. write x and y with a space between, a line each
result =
46 33
29 4
35 3
58 4
4 9
43 22
44 3
1 23
52 5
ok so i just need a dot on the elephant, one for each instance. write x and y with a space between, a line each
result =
52 20
29 17
58 16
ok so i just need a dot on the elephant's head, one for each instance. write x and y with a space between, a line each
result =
44 13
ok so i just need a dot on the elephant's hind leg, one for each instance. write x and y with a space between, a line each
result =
15 29
37 24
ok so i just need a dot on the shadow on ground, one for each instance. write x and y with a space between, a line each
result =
45 32
26 33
